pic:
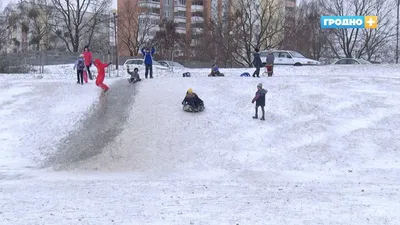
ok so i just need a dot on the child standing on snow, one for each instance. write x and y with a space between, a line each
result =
80 67
260 100
101 73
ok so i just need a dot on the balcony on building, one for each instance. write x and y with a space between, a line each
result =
180 6
197 17
180 17
197 27
149 4
197 6
181 28
152 16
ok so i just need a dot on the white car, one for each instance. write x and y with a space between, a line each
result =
285 57
139 63
170 64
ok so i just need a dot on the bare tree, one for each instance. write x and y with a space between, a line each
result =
376 39
217 42
5 24
134 28
356 42
256 24
307 35
75 19
34 17
168 40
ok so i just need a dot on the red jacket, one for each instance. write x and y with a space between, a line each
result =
100 67
88 58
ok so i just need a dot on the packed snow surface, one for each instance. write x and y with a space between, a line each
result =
327 153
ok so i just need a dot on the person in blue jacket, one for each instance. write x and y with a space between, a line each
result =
148 61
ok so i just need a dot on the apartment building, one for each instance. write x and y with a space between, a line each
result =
190 16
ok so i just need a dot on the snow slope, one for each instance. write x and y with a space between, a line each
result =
326 154
35 115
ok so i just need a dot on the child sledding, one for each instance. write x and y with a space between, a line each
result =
134 75
192 102
215 71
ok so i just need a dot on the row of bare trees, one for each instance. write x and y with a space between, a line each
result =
229 39
55 24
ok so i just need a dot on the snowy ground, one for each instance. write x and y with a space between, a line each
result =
326 154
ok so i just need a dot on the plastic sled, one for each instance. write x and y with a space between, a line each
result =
134 81
220 75
187 74
245 74
85 76
189 108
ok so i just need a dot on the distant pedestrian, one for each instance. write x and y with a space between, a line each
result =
270 63
257 62
260 101
87 55
79 67
148 60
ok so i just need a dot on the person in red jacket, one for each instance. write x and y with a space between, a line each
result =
101 73
87 55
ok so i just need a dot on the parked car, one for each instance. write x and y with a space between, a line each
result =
350 61
139 63
169 64
286 57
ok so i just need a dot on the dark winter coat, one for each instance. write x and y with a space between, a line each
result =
148 56
260 97
192 100
270 59
257 60
80 64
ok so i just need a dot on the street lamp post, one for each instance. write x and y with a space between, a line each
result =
116 41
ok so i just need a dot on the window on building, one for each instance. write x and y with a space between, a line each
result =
182 2
154 10
197 2
181 25
167 2
199 14
182 14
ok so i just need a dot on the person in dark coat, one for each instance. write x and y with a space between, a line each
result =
260 100
257 62
148 60
270 63
192 99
